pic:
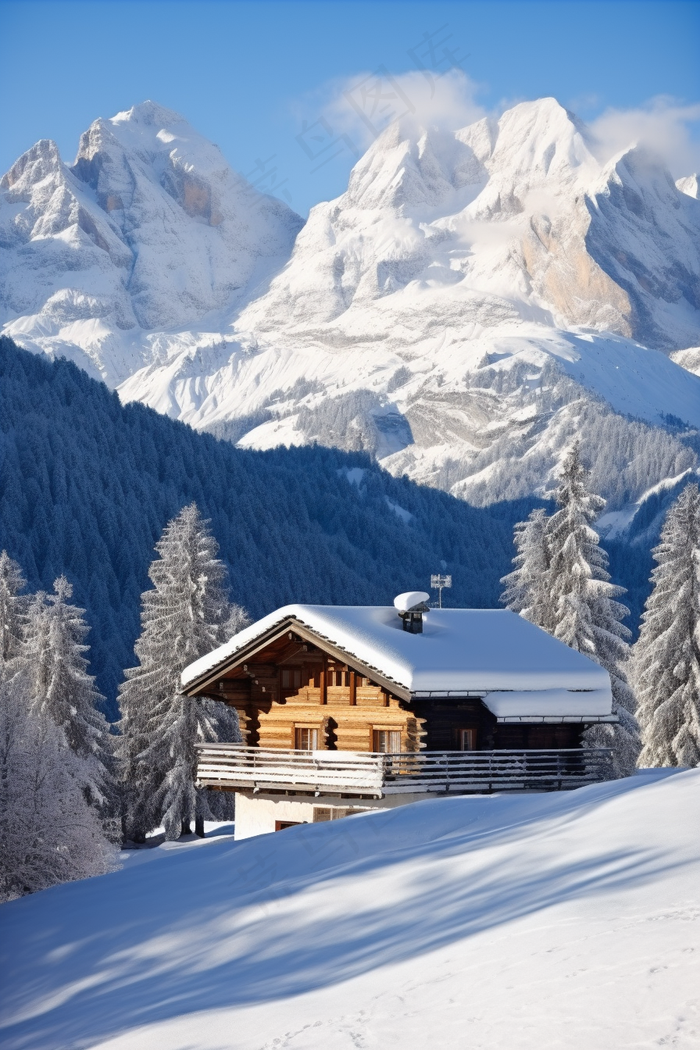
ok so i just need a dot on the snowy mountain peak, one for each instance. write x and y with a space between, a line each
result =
689 185
411 166
639 165
540 140
509 220
170 153
645 235
149 229
41 160
149 114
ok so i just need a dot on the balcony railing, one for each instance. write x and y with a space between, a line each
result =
235 767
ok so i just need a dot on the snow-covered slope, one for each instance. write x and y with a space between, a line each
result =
149 230
486 418
528 923
473 300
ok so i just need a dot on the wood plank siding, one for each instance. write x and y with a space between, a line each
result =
293 685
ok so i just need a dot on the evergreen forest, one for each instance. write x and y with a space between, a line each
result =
88 484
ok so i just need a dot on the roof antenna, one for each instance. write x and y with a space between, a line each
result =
410 606
437 583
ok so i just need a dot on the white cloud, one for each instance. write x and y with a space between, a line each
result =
662 124
362 106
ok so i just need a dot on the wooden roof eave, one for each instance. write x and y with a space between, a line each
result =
205 683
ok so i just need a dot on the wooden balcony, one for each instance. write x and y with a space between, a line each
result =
234 767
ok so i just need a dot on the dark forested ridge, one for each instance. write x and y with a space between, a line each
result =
87 484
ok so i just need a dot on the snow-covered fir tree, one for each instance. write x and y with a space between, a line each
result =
584 608
13 606
526 588
60 687
184 615
48 831
667 652
236 620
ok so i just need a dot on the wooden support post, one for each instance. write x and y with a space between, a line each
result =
323 677
353 689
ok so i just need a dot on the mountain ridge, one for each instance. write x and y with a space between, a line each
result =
469 304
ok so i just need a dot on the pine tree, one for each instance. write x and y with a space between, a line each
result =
527 586
48 831
236 620
183 617
12 609
667 653
61 689
585 613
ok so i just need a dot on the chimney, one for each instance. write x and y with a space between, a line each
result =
410 606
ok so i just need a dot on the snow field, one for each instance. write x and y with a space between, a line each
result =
531 922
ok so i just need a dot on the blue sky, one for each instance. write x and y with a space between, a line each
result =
248 75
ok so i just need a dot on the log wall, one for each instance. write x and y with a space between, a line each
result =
345 716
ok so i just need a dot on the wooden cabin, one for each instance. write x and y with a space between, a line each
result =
357 707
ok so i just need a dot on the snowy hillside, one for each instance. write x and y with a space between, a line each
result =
689 358
471 301
486 418
527 923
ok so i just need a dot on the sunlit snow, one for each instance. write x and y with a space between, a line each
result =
523 923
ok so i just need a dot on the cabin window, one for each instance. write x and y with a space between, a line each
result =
467 739
305 739
386 741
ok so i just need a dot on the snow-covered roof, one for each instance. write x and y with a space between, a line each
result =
461 651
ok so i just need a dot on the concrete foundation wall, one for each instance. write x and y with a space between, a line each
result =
260 814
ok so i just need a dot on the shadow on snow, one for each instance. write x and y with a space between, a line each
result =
232 924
